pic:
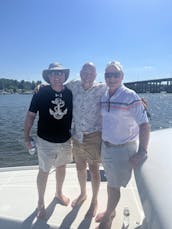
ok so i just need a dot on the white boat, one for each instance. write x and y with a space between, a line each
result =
154 181
18 195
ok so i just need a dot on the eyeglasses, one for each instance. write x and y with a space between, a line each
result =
56 73
112 74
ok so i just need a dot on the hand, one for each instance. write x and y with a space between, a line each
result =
138 158
28 143
38 87
145 103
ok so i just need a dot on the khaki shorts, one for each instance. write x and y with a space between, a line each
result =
89 150
53 154
115 160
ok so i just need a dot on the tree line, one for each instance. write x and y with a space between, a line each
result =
13 86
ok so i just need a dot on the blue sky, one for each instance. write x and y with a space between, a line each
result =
35 33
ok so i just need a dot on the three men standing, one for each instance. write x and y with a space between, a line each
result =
112 109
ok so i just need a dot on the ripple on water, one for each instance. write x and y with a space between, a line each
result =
13 109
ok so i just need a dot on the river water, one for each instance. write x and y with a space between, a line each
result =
13 109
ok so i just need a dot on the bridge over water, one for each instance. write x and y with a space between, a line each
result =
152 86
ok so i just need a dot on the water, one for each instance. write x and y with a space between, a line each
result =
13 109
160 108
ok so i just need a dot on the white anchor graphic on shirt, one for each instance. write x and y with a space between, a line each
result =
58 113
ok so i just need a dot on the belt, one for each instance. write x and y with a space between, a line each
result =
110 144
90 134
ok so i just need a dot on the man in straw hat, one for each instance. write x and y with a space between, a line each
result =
54 104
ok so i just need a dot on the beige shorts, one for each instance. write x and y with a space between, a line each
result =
89 150
53 154
115 160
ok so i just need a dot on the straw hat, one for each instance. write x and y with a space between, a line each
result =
55 67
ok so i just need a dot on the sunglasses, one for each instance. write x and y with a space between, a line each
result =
112 74
56 73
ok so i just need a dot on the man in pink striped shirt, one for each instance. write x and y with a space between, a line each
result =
124 120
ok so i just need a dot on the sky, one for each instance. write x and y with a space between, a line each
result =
35 33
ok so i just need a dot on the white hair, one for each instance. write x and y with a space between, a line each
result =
116 64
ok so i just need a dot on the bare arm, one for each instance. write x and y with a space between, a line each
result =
144 133
141 155
30 117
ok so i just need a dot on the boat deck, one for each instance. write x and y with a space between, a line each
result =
18 201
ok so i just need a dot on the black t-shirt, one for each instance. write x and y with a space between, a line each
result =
55 113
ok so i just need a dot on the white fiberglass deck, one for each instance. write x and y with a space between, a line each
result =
18 201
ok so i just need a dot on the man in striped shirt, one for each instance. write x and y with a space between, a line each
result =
124 120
